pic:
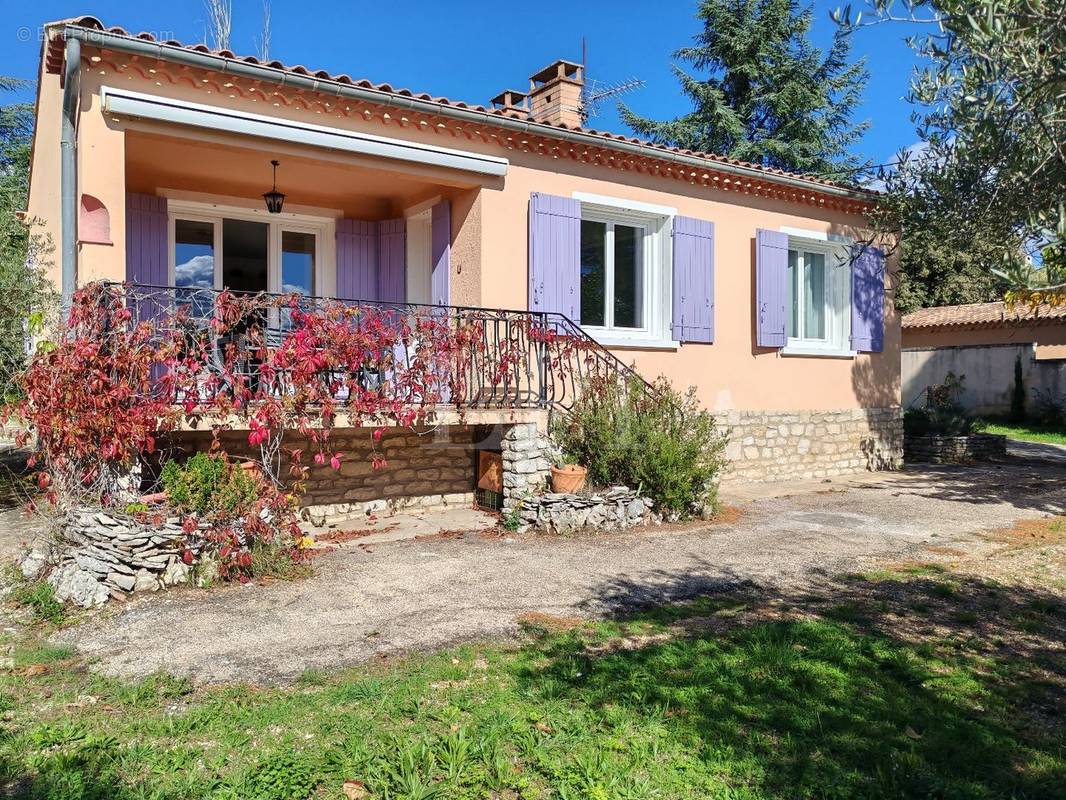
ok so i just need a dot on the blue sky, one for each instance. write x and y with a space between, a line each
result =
471 49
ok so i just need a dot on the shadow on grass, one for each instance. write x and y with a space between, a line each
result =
912 684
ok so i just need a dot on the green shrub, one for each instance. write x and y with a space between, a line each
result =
660 442
1017 398
209 486
944 414
284 776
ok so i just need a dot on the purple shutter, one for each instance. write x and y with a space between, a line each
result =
693 279
147 261
147 258
441 253
392 260
867 299
771 287
357 260
555 255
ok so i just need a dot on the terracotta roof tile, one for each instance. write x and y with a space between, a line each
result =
92 23
982 315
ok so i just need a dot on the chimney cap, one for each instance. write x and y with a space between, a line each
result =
561 69
510 98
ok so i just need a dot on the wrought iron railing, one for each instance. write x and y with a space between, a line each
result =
495 358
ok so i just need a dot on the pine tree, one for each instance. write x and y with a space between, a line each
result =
769 96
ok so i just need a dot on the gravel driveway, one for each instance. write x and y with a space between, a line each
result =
426 593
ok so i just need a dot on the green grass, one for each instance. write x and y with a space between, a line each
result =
711 699
1027 432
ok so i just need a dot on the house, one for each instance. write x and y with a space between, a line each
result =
985 342
154 161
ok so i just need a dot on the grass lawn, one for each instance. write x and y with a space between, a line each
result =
1028 432
907 682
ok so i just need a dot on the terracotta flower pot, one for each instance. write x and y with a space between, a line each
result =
569 478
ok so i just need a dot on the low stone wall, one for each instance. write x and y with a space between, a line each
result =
771 445
97 555
618 507
934 449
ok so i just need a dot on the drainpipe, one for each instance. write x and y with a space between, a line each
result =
68 166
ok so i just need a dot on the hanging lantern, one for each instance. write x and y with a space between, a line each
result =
274 199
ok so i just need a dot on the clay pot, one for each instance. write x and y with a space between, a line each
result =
568 479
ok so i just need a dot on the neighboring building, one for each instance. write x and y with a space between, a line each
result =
983 342
744 281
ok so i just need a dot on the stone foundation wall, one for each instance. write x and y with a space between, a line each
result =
771 445
527 460
934 449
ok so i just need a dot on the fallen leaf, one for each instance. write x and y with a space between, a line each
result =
34 669
912 733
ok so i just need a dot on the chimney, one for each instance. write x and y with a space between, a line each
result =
512 102
555 94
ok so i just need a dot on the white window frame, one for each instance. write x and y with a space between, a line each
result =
657 273
323 228
838 300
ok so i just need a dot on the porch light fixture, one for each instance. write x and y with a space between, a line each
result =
274 199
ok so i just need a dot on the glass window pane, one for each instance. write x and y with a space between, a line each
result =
814 295
593 272
244 255
194 264
297 262
793 295
628 277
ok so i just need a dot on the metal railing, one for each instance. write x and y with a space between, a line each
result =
496 358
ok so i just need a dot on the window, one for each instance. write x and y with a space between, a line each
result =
819 288
246 250
622 275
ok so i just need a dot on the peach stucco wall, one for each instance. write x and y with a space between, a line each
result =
489 229
731 373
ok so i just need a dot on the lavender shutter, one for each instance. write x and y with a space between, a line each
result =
693 280
147 261
771 287
555 255
392 260
867 299
357 260
441 253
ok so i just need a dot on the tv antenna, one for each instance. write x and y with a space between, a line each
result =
595 92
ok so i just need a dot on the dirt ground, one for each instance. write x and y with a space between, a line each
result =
367 601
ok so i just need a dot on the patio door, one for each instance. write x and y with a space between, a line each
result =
216 247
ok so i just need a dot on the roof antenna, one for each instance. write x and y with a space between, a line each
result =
594 92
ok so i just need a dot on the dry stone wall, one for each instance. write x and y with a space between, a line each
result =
935 449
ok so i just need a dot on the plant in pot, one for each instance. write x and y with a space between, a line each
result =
567 478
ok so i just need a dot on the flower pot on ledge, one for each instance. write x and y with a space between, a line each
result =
568 479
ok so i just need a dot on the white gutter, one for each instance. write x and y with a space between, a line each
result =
281 77
214 118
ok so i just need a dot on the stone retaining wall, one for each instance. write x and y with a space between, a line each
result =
934 449
770 445
617 507
98 555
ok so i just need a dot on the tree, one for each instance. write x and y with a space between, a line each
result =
991 112
935 274
24 291
768 95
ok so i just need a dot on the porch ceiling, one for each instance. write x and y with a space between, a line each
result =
156 161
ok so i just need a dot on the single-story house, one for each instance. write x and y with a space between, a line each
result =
757 286
984 342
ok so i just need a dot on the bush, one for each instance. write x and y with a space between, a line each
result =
943 414
209 486
661 442
1017 398
1049 409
